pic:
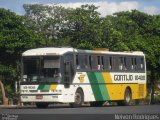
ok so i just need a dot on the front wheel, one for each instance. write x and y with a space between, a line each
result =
78 99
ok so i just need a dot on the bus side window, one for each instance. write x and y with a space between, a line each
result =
110 63
102 62
128 63
77 62
81 61
135 63
94 62
115 63
86 65
106 63
99 63
120 63
90 62
124 64
132 64
142 63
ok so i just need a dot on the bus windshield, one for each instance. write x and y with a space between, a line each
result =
41 69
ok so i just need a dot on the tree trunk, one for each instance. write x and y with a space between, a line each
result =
5 99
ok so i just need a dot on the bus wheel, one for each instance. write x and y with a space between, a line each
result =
127 98
42 105
78 99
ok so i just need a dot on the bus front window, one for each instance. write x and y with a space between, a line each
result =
31 68
44 69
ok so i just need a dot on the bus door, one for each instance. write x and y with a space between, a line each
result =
67 73
68 70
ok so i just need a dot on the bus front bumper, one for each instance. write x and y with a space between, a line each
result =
41 98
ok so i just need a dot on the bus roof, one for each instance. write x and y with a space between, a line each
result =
111 52
60 51
46 51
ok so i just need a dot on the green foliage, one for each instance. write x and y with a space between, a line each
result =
83 27
80 28
15 38
47 20
139 31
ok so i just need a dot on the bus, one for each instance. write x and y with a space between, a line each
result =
75 76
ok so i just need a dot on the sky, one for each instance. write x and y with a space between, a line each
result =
106 7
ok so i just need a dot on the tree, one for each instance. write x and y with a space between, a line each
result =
83 27
15 37
140 31
48 20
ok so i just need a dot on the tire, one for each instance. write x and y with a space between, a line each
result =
127 98
42 105
79 99
96 104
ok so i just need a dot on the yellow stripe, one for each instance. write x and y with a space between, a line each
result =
107 77
116 91
53 87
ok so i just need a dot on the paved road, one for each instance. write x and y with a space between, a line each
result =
64 109
64 112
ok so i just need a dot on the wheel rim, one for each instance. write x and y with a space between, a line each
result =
128 97
77 98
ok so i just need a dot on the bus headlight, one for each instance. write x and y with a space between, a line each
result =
24 97
57 91
24 91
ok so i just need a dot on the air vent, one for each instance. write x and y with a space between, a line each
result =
141 90
44 91
33 90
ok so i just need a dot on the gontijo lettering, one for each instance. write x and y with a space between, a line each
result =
123 77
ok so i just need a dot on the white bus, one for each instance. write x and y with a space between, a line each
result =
68 75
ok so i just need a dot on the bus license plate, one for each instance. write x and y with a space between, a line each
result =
39 97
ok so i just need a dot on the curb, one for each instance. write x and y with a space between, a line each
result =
10 106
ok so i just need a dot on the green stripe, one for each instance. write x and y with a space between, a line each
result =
102 86
95 87
46 87
40 87
43 87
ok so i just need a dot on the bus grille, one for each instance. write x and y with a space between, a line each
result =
33 90
44 91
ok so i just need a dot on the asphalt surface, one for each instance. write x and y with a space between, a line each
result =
65 109
64 112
